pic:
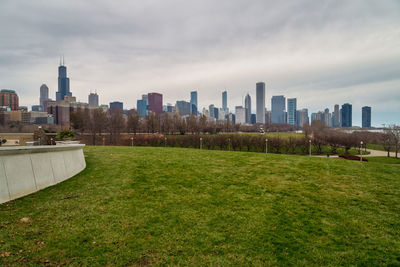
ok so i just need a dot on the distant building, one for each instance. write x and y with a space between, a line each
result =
291 112
247 106
366 117
240 115
170 108
278 109
347 115
253 118
193 103
141 106
211 109
60 111
44 95
336 116
260 102
268 115
63 83
104 107
40 118
216 113
327 118
116 105
155 103
225 101
93 99
222 114
9 98
37 108
183 108
303 117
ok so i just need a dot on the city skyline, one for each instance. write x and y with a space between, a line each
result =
320 53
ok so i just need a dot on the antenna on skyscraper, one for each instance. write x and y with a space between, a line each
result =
60 61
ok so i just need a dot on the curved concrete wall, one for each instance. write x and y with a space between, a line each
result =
27 169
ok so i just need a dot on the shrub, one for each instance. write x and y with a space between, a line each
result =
65 134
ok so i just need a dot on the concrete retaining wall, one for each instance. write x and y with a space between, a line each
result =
27 169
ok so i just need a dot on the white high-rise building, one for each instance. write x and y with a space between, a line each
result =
240 115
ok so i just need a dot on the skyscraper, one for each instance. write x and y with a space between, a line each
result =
211 111
347 115
44 95
278 109
225 101
216 114
93 99
303 117
63 82
155 103
336 116
292 114
193 103
366 117
327 118
141 105
247 106
260 102
240 115
183 108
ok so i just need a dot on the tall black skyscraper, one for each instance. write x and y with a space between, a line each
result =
63 82
260 102
366 117
347 115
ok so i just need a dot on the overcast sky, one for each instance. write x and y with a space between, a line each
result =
322 52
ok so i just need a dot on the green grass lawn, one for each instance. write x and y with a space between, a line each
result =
378 147
153 206
386 160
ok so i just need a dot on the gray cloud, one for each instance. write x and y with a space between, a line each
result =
323 52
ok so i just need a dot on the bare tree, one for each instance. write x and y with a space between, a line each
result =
97 123
152 122
133 122
193 124
79 120
203 123
166 123
394 132
116 124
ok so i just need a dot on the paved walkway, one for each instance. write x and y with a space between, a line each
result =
378 153
372 153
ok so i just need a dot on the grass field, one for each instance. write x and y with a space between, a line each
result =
384 160
379 147
152 206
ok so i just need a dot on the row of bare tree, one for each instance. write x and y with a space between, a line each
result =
114 122
321 135
96 122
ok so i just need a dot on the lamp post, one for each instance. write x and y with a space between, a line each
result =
309 141
104 141
51 141
229 144
165 141
131 141
361 144
201 142
40 141
266 146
